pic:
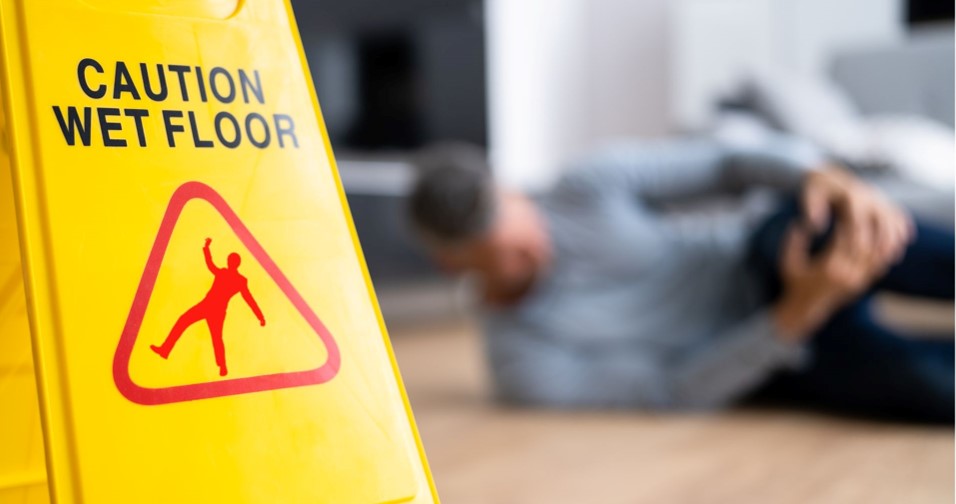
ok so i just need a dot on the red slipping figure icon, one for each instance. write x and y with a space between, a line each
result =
212 308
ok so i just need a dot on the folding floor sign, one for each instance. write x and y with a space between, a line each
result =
202 324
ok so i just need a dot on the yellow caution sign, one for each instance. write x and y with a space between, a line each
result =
203 325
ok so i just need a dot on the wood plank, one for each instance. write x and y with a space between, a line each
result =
484 453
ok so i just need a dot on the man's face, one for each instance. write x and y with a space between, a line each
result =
497 259
508 256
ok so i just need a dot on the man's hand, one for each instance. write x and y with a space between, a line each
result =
262 322
873 222
208 241
816 288
870 234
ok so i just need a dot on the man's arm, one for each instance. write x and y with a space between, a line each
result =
736 363
663 171
814 288
712 375
208 255
247 297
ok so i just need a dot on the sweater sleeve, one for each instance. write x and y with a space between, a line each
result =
684 169
531 369
738 360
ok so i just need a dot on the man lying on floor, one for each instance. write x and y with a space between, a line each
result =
595 296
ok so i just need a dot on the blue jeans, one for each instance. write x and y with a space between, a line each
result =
856 365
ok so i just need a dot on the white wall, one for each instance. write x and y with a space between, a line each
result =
536 86
564 74
628 68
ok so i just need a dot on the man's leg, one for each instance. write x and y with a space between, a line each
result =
192 315
859 367
215 330
856 364
928 267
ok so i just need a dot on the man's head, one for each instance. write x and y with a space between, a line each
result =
233 260
470 225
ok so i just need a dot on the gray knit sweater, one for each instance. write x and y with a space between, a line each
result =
644 307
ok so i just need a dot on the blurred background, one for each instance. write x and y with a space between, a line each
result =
534 83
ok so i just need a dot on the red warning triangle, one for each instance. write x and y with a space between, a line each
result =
226 387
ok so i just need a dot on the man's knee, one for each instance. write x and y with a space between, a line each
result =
766 244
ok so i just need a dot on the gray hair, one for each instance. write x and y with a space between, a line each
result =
454 198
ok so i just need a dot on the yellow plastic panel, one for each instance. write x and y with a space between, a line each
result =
22 470
120 184
215 9
21 461
31 494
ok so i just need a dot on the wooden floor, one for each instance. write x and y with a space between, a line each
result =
481 453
